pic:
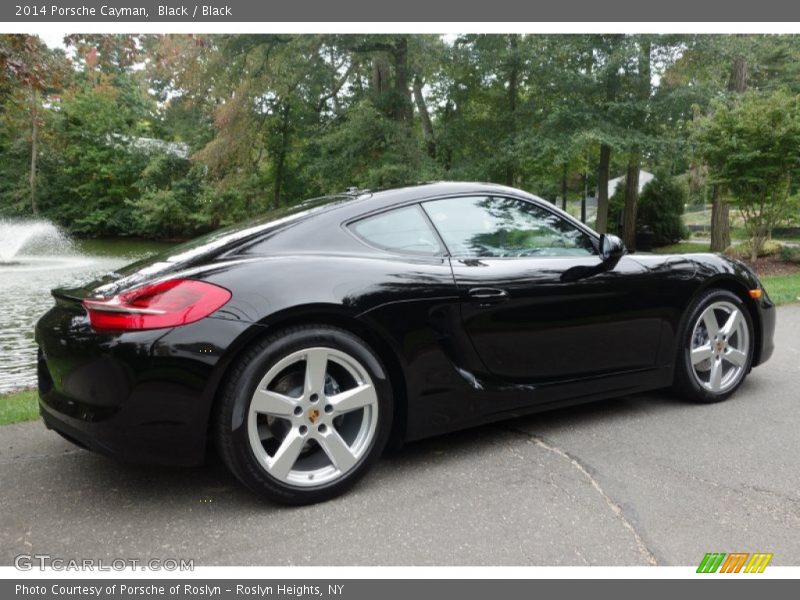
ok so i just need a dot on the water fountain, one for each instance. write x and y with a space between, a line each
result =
31 237
35 257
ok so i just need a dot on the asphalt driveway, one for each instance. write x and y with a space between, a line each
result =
632 481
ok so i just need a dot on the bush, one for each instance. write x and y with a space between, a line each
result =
661 209
791 254
616 205
743 250
659 212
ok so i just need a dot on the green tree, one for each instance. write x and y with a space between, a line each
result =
661 208
170 201
29 72
753 148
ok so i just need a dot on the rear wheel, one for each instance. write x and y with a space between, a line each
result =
304 414
716 348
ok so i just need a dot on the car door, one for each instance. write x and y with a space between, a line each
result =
537 301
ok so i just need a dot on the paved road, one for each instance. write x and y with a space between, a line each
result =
633 481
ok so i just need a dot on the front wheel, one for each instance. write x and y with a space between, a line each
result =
715 348
304 414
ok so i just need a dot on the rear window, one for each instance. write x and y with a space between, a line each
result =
402 230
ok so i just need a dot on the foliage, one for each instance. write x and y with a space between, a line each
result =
745 249
661 208
369 150
98 166
616 203
168 136
752 147
790 254
169 204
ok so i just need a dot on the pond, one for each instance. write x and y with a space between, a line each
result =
29 273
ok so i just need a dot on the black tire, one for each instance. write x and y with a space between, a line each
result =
233 404
685 383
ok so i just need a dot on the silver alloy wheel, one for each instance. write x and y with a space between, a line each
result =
720 346
319 430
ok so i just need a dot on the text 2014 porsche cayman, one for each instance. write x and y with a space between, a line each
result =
302 344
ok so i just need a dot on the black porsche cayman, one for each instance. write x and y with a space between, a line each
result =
303 344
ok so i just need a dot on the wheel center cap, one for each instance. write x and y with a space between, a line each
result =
720 346
313 415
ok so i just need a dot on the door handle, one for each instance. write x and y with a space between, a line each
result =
486 296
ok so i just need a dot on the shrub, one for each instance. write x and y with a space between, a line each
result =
616 204
744 250
661 209
791 254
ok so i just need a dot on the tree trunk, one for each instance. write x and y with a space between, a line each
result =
402 109
631 202
34 150
380 75
446 151
720 222
513 91
424 117
738 79
513 75
280 160
601 221
634 160
336 86
585 190
564 175
697 170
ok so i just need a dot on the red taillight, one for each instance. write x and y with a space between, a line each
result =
165 304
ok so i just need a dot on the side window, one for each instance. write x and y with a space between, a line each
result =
488 226
403 230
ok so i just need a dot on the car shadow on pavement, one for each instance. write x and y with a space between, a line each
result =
541 423
211 487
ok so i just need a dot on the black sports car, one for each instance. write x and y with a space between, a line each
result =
302 344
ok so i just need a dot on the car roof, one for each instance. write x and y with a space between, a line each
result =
354 203
420 191
317 225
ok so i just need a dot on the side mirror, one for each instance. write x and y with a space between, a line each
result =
611 249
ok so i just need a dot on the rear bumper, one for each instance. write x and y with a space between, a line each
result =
125 416
139 396
166 442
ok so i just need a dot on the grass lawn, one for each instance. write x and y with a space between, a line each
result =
782 289
19 406
685 248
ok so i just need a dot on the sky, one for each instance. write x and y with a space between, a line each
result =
53 40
